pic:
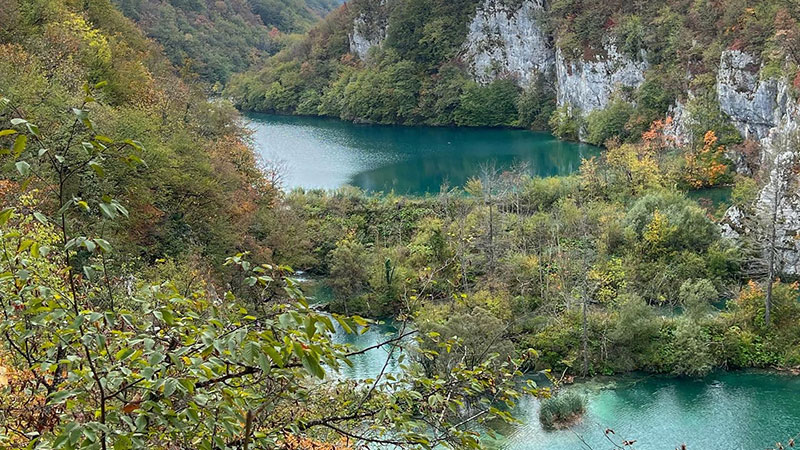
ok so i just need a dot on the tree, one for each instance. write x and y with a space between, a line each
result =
772 234
98 365
490 186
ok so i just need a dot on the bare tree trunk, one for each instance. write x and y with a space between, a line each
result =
491 236
585 370
772 252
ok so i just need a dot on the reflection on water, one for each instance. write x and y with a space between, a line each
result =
328 153
726 411
368 365
714 196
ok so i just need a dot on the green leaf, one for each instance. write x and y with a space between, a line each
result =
5 216
155 358
108 210
104 245
60 396
123 442
7 132
89 245
273 355
19 145
98 169
23 168
32 129
168 317
169 387
311 364
124 354
263 363
41 218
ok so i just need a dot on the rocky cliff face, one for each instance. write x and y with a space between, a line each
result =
779 199
589 85
508 41
754 105
765 111
369 30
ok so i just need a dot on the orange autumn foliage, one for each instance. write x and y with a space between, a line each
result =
292 442
655 139
19 409
706 166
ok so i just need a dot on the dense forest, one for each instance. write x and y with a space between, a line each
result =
148 285
417 67
214 40
145 300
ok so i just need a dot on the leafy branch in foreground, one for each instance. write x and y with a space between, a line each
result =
90 365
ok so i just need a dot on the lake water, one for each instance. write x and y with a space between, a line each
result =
326 153
724 411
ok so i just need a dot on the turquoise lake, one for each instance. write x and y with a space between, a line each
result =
724 411
751 410
325 153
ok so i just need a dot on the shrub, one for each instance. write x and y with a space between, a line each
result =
564 123
562 410
697 296
604 124
494 105
536 104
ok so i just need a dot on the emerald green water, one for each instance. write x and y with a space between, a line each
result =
328 153
724 411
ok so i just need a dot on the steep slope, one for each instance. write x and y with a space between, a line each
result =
218 38
596 70
200 189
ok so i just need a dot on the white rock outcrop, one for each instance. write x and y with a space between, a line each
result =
754 105
765 111
589 85
507 41
678 127
786 208
368 31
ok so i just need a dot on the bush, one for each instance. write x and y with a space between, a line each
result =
697 297
564 123
536 104
494 105
604 124
562 410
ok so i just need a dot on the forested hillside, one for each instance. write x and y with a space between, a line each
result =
216 39
143 301
148 290
610 68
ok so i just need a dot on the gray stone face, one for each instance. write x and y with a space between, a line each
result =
369 31
751 103
765 111
678 128
589 85
508 42
737 225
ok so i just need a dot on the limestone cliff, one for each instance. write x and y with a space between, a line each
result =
765 111
589 85
507 41
369 29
